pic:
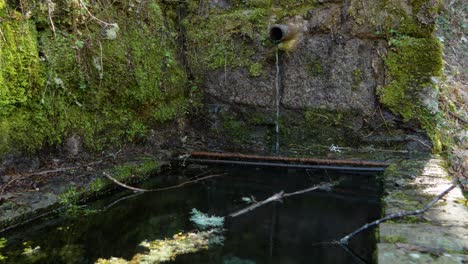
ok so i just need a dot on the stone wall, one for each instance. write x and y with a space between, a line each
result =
377 61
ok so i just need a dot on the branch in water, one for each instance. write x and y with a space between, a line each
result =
345 240
280 195
159 189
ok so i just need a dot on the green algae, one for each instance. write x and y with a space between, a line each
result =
393 239
164 250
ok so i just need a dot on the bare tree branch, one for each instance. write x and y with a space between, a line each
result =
279 196
401 214
159 189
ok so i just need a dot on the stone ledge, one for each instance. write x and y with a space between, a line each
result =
441 235
390 253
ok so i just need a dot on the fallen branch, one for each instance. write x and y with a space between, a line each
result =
159 189
345 240
279 196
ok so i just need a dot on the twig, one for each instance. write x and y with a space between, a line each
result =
279 196
49 14
460 118
275 197
159 189
353 254
93 17
401 214
420 141
123 184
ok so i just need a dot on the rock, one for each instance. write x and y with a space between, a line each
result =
15 163
223 4
73 145
331 74
389 253
324 19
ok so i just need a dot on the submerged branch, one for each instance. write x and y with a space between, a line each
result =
279 196
159 189
345 240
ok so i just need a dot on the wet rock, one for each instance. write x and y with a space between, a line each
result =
429 98
73 145
12 163
418 143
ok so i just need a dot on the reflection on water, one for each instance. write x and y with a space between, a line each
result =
287 232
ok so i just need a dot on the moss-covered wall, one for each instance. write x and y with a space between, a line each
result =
235 35
413 60
356 58
108 72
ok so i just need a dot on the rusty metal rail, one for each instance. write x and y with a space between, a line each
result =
285 162
299 161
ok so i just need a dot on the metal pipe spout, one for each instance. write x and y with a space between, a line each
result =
283 32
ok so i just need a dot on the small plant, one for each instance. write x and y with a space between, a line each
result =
69 197
256 69
204 221
97 185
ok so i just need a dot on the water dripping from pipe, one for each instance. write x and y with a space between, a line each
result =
277 103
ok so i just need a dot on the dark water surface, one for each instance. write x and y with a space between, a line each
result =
287 232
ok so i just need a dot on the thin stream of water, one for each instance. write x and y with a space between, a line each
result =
277 101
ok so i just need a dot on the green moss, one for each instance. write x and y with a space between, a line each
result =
256 69
237 37
235 128
139 169
108 91
3 241
411 64
358 78
393 239
97 185
215 39
315 68
70 197
462 201
396 16
126 173
19 64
